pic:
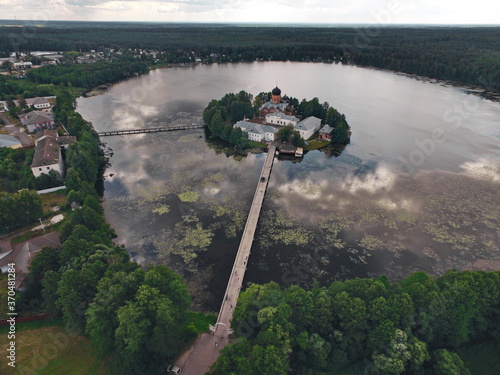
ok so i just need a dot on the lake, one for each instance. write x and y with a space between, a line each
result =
416 189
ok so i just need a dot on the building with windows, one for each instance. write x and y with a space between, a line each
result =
257 132
308 127
47 155
279 118
37 121
326 132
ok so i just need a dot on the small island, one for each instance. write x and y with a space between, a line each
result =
295 126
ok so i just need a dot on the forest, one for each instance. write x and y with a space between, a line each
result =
465 55
414 326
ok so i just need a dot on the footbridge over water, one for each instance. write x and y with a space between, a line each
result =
240 263
198 359
150 130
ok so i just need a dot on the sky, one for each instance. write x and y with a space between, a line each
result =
382 12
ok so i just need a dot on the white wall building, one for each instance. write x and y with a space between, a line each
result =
308 127
279 118
37 120
257 132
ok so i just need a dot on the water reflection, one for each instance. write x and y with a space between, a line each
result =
417 188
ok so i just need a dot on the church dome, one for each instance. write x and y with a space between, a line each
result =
276 91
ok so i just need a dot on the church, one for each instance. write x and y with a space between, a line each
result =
276 104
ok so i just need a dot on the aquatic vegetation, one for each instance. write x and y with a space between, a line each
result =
371 242
189 196
188 240
162 209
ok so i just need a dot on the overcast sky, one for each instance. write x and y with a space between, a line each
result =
257 11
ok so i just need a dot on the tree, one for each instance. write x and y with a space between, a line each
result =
448 363
285 133
19 209
148 332
7 65
113 292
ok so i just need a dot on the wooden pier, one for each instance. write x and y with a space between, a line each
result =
150 130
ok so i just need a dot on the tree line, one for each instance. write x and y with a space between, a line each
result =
87 75
414 326
134 317
466 55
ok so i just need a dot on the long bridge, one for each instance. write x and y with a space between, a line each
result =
150 130
198 359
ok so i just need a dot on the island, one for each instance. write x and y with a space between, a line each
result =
295 127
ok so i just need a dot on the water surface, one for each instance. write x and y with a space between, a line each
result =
417 188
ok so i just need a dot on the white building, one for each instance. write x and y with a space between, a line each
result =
47 155
257 132
37 120
308 127
279 118
23 65
38 103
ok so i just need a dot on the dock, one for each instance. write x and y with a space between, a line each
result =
150 130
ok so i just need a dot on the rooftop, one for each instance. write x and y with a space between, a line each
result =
47 152
252 127
35 117
281 115
326 129
308 123
8 141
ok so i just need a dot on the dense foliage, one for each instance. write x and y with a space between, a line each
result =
15 173
410 327
19 209
468 55
87 75
328 115
220 115
133 316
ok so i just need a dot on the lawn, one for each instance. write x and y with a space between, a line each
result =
201 321
50 350
253 144
57 198
314 145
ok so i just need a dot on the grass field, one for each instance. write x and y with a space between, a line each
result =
253 144
44 350
57 198
201 321
314 145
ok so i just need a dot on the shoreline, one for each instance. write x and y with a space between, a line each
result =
469 89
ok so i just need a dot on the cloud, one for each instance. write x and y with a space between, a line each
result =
305 11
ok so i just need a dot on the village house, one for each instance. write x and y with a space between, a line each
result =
38 103
47 155
37 120
257 132
308 127
21 254
326 132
